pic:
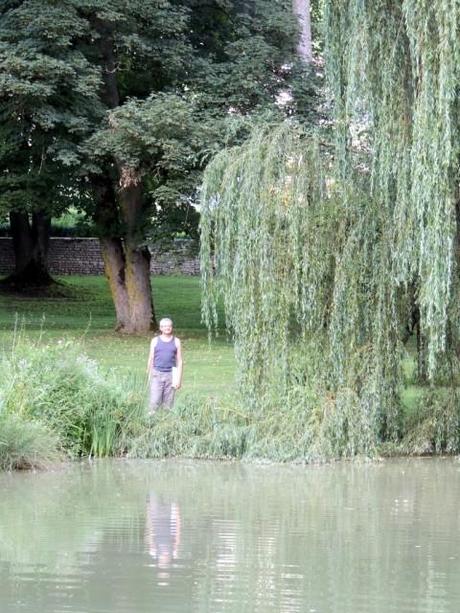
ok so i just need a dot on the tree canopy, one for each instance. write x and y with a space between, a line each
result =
125 101
48 104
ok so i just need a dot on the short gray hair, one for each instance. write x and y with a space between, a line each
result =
166 320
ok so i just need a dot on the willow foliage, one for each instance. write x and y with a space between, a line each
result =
327 262
395 65
254 199
302 265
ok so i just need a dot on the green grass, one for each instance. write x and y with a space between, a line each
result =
87 302
25 443
86 315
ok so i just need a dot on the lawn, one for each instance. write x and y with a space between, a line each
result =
86 314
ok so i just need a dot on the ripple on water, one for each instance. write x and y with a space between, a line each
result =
184 536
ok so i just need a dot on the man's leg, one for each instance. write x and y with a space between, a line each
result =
156 392
168 391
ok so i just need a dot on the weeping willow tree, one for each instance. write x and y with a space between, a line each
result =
328 261
303 269
394 66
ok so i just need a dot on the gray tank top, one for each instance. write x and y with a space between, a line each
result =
164 356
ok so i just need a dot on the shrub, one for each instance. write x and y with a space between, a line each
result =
434 426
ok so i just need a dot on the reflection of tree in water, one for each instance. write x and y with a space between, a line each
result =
162 530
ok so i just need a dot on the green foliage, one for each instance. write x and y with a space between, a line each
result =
176 65
394 69
73 222
219 63
243 51
66 395
48 101
166 140
305 428
359 246
434 425
302 270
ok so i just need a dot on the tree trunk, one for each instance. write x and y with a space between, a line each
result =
114 267
106 219
137 255
137 272
30 245
126 264
126 259
302 13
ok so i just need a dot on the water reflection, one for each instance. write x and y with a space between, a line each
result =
182 536
162 532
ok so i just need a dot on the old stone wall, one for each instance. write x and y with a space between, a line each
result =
82 256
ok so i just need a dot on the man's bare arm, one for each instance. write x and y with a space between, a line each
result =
151 353
179 363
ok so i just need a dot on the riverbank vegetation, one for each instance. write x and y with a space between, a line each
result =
70 388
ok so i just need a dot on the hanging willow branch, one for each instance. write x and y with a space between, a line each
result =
327 262
255 200
396 64
302 263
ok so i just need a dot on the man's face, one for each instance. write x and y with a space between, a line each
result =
166 327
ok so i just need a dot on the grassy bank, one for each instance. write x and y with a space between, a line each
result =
71 387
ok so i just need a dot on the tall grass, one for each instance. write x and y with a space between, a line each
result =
55 400
303 428
307 426
26 444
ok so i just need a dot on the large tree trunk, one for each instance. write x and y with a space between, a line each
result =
302 13
106 219
126 258
30 244
126 264
137 272
114 267
137 255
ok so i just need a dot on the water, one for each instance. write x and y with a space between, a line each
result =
182 536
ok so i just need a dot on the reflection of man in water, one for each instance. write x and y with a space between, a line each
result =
162 530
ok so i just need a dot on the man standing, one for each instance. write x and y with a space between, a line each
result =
164 356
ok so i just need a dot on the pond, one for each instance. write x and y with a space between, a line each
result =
185 536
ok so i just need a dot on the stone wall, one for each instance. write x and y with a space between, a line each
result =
82 256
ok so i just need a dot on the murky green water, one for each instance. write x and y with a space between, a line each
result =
183 536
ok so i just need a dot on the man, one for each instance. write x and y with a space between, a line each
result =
165 354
